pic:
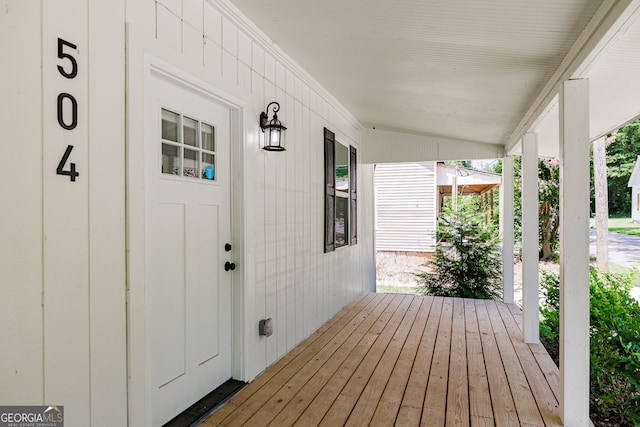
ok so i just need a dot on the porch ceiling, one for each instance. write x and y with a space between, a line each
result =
475 71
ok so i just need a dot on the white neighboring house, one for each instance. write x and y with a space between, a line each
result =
634 183
409 198
405 207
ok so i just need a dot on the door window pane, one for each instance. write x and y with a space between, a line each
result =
190 163
190 132
170 159
169 125
208 141
208 166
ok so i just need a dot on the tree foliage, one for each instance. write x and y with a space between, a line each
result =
548 205
622 153
467 262
462 163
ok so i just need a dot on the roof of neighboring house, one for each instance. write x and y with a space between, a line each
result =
469 181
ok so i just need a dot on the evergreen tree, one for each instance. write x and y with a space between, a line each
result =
467 262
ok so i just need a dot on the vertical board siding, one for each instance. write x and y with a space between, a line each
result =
287 277
21 346
62 302
66 214
635 203
405 207
63 266
106 176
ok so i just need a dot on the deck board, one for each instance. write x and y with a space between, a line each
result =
435 406
406 360
391 399
410 412
318 408
480 408
547 403
338 346
504 411
528 411
307 393
348 397
372 393
457 414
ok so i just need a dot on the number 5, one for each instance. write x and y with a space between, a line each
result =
63 55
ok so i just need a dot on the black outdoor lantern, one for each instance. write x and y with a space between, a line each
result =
273 129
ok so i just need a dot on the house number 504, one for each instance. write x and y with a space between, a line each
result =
68 69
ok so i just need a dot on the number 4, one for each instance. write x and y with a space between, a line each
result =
72 166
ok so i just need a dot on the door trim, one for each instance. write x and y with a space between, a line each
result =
145 56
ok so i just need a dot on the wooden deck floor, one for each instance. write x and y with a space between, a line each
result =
404 360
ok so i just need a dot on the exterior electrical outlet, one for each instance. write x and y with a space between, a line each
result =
266 327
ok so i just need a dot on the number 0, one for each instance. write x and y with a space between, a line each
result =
74 111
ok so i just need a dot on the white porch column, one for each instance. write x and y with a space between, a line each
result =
506 228
530 298
574 252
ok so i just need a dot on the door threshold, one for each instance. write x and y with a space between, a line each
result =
199 411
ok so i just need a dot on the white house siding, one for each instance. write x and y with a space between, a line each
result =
62 244
405 207
66 303
287 275
634 183
635 204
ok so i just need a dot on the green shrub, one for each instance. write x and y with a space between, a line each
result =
550 307
467 262
614 343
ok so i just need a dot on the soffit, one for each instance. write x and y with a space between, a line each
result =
614 87
462 69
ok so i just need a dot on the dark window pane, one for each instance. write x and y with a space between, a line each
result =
208 138
208 166
190 164
342 221
170 159
342 168
190 129
169 125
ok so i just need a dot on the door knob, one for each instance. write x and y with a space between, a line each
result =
229 266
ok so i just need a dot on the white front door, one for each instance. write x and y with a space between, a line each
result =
187 227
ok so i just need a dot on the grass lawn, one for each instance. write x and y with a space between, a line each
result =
389 289
622 226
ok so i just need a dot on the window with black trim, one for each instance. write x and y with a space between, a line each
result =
341 203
